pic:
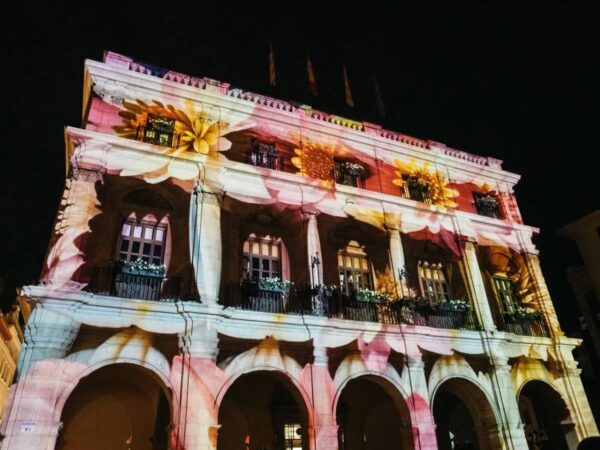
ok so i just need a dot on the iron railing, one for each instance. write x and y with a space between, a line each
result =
157 137
264 159
348 178
415 192
143 286
525 326
250 297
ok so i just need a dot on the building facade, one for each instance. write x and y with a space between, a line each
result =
231 271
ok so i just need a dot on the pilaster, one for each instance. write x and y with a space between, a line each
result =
476 286
507 405
205 242
313 244
398 262
542 294
418 403
325 425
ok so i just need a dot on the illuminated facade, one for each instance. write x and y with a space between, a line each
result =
230 271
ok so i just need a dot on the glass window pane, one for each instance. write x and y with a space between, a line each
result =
255 263
126 229
266 265
160 234
124 245
123 257
137 231
275 251
156 261
365 264
264 249
135 247
148 232
348 261
255 248
157 250
246 247
147 248
275 266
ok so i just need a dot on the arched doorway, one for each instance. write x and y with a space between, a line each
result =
372 415
463 417
545 417
263 410
120 407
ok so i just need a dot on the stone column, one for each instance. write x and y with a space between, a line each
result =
398 263
195 374
205 242
542 295
476 286
313 244
507 404
77 207
325 432
31 418
421 414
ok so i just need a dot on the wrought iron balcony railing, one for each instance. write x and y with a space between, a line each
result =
525 326
349 178
414 190
250 297
264 159
157 137
142 286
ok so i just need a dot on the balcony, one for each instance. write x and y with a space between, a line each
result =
157 136
525 326
349 174
415 189
114 282
262 154
408 311
487 205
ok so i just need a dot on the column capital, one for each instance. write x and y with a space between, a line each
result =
415 361
199 346
208 197
320 355
500 362
91 175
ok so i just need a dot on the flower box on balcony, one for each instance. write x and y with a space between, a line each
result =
141 267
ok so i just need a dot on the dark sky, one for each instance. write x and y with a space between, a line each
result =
519 83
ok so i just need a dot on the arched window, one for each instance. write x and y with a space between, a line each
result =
432 281
262 257
144 240
354 268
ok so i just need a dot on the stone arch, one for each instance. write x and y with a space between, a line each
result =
477 416
85 362
546 414
264 357
279 401
106 392
382 416
454 383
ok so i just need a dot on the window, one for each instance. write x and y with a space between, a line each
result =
293 440
415 188
264 154
144 240
354 268
487 205
159 130
349 173
262 257
506 293
433 282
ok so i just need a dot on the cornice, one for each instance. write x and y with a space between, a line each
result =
305 118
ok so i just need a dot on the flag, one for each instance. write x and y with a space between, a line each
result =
349 100
272 76
312 83
378 99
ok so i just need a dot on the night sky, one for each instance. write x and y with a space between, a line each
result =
516 84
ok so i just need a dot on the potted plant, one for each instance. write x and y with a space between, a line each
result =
525 313
454 305
370 296
141 267
274 284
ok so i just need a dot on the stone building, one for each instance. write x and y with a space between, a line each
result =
232 271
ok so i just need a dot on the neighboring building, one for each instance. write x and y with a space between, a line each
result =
11 337
412 313
585 281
